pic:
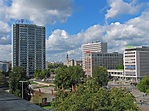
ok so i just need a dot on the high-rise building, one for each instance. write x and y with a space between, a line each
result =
136 62
29 47
92 47
106 60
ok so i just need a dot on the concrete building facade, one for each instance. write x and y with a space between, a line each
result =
116 73
29 47
136 62
92 47
107 60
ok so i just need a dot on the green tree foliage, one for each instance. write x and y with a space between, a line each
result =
2 79
89 96
120 67
37 73
55 65
15 86
40 74
101 75
122 100
68 76
143 85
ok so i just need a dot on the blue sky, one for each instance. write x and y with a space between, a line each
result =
84 15
71 23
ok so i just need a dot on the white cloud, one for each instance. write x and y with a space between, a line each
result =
4 33
117 35
133 32
4 40
5 52
40 11
4 27
61 43
118 7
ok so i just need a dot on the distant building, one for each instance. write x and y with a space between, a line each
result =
107 60
96 46
79 63
136 62
72 62
4 66
46 64
116 73
29 47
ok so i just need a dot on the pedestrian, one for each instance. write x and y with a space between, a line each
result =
141 102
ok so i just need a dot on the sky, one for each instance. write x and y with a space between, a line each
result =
71 23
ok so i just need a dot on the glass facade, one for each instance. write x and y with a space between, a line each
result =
29 47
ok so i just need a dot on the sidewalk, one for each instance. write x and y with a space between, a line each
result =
140 96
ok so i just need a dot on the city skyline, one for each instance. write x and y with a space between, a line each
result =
71 23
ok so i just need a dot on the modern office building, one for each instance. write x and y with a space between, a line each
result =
107 60
29 47
92 47
136 62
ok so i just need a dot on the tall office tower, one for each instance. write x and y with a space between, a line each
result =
29 47
106 60
92 47
136 62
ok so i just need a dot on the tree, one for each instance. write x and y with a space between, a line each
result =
41 74
89 96
46 73
120 67
143 85
122 100
54 66
101 75
15 87
37 73
68 76
2 79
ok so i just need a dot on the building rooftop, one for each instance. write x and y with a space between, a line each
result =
140 48
9 102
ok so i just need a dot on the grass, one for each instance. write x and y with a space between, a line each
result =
44 86
33 82
47 107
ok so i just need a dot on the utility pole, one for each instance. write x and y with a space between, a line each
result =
22 87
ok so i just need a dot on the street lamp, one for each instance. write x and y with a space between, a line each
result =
22 87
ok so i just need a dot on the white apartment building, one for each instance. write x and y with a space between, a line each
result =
136 62
107 60
92 47
116 73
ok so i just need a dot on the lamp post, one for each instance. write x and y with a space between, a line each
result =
22 87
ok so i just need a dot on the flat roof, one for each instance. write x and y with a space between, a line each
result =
9 102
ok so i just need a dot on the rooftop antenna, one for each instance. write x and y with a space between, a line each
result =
22 20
